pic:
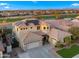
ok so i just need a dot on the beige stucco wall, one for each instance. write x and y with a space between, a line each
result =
57 35
42 25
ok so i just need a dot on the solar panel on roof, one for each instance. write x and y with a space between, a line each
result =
35 22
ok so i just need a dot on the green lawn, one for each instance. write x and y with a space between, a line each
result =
71 16
70 52
62 16
49 17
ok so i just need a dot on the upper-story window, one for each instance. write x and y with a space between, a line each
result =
26 28
31 27
17 29
44 27
21 29
47 27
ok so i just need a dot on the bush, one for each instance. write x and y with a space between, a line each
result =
59 45
74 31
67 40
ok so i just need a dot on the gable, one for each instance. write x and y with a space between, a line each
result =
32 37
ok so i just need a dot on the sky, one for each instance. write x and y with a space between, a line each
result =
35 5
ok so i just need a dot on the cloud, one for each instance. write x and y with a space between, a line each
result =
34 1
6 7
75 4
4 4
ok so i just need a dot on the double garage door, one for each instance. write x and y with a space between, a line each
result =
34 44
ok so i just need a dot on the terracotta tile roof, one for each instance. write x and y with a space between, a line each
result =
27 22
32 37
39 33
58 34
61 24
75 22
19 23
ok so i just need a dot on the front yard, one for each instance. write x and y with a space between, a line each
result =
69 52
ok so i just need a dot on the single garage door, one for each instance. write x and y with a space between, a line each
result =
34 44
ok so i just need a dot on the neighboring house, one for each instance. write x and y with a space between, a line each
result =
58 30
75 22
1 50
26 32
56 35
60 24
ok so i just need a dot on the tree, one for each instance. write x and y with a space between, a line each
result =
68 40
7 31
74 31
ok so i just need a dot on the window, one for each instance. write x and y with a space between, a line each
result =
47 27
26 28
31 27
17 29
44 27
21 29
38 27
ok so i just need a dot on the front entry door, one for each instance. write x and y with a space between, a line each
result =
45 39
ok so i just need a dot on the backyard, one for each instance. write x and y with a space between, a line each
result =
69 52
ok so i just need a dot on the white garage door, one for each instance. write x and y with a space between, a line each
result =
34 44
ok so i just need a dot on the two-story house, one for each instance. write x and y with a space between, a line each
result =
27 33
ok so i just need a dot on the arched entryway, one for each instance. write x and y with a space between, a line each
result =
45 39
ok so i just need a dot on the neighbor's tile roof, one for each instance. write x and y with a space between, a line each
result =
61 24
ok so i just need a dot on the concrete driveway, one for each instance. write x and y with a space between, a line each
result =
39 52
